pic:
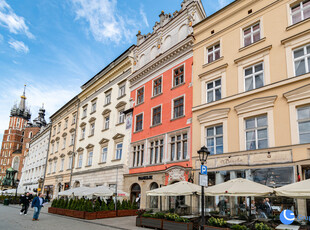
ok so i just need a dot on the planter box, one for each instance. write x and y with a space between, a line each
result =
138 221
79 214
60 211
207 227
151 223
69 212
132 212
172 225
105 214
90 215
52 210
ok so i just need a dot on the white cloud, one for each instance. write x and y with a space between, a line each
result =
19 46
14 23
143 15
105 22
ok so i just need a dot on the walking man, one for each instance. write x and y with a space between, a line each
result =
37 204
25 201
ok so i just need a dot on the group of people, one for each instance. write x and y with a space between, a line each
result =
36 203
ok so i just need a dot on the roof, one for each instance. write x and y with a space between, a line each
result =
68 103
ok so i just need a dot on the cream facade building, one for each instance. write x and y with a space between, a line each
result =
61 149
251 98
35 161
103 132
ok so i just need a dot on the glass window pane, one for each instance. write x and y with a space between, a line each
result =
219 130
218 82
308 49
300 67
210 132
295 8
259 80
306 13
296 17
211 149
219 141
250 123
303 113
210 58
210 96
219 149
210 85
256 36
210 142
247 31
248 84
262 134
262 121
247 41
304 127
250 135
218 94
248 71
250 145
258 67
262 144
298 53
256 27
217 54
304 138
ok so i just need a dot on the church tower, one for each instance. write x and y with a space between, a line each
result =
13 137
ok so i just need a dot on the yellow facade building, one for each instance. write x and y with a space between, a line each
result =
251 98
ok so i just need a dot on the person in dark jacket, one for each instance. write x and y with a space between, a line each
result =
37 204
24 201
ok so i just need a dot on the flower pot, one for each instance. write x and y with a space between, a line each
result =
105 214
90 215
52 210
60 211
69 212
79 214
132 212
151 223
172 225
207 227
138 221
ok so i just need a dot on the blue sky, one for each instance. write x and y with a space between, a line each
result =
54 46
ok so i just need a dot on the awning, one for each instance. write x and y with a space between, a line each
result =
299 189
182 188
238 187
73 191
13 191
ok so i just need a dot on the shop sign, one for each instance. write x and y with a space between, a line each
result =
145 178
203 180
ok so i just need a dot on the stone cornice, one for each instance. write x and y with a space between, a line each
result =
298 94
255 104
98 169
169 55
212 115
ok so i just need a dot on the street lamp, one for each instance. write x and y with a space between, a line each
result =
16 184
203 155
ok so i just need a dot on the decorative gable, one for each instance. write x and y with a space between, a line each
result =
103 141
120 104
106 111
118 136
300 93
82 124
80 149
255 104
213 115
92 119
89 146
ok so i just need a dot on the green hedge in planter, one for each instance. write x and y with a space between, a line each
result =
239 227
262 226
111 205
166 216
104 206
217 222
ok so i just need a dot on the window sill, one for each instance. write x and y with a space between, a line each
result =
176 161
61 171
91 135
297 24
87 166
173 119
120 97
153 126
120 124
150 165
157 95
70 145
102 163
92 112
82 139
65 128
252 44
210 63
104 130
72 124
179 85
83 118
139 104
116 160
68 169
53 172
107 104
138 131
78 167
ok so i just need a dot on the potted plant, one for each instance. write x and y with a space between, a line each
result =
90 214
69 209
173 221
149 220
53 208
239 227
216 223
126 209
79 209
60 209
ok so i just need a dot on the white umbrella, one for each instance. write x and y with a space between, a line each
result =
13 191
299 189
98 191
182 188
238 187
73 191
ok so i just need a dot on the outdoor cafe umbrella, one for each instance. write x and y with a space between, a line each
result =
238 187
299 189
73 191
182 188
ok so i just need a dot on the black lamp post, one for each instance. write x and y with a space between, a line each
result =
203 155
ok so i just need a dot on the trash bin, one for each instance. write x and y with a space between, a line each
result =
6 201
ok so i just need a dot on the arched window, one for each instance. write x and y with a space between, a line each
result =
8 138
30 135
153 199
135 194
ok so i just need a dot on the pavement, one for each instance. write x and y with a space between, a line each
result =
12 220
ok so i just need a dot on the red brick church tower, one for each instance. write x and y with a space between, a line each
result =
13 137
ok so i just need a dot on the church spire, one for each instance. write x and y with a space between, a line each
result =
22 105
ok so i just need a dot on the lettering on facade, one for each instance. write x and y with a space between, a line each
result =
145 178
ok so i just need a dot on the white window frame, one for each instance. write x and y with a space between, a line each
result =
80 160
90 156
161 115
213 89
70 162
172 106
108 97
73 118
214 136
121 116
84 111
59 127
137 159
57 146
213 52
293 4
251 34
121 90
253 75
66 123
182 140
304 57
54 168
184 75
64 142
104 154
93 106
117 157
255 129
153 82
135 130
92 129
143 95
152 157
62 164
107 122
83 131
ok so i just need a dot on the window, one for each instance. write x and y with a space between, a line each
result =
84 112
251 34
70 162
72 139
121 90
30 135
139 122
300 11
80 160
138 155
83 133
66 123
304 124
214 90
106 122
93 107
64 142
254 77
256 133
157 151
54 169
59 126
57 146
178 146
62 164
17 123
178 76
92 129
178 107
215 139
50 168
90 159
157 86
119 150
108 98
104 153
140 95
213 53
74 119
52 149
121 116
302 60
156 119
8 138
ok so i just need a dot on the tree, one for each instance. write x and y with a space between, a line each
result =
111 205
104 206
97 206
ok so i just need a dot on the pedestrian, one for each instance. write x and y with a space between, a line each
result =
222 206
37 204
25 201
253 208
268 207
